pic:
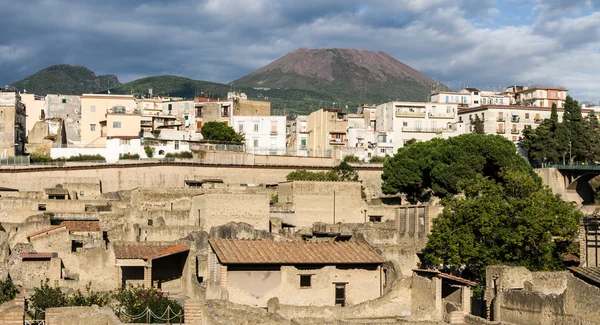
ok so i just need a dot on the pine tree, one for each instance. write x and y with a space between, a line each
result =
478 126
593 139
575 124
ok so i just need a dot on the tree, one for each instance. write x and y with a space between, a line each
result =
436 167
561 140
149 151
515 221
8 291
135 301
554 117
346 172
540 143
218 131
592 154
478 126
574 122
343 172
409 142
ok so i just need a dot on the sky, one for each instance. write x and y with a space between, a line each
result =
487 44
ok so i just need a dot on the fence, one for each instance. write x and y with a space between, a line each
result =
169 316
15 161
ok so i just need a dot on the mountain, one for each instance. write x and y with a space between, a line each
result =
341 75
66 79
173 86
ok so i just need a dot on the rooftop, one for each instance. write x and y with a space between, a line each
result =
235 251
147 252
46 231
588 274
37 255
83 225
56 191
446 276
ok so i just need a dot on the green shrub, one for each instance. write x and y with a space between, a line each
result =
134 300
129 156
8 291
47 297
149 151
353 159
183 154
81 157
378 159
38 157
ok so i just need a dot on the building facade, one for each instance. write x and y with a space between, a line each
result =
399 122
94 109
209 110
470 97
34 107
264 135
327 133
541 97
12 124
298 136
67 108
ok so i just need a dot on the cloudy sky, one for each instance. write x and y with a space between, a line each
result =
478 43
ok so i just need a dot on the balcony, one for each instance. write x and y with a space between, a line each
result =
336 141
514 131
515 119
441 115
500 119
410 114
422 130
273 132
500 131
537 120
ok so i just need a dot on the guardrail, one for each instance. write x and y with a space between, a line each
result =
574 166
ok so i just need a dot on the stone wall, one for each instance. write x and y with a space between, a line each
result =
11 312
211 210
93 315
246 107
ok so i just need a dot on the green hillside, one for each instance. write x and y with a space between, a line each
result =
66 79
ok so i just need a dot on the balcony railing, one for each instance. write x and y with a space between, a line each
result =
410 114
441 115
422 130
500 131
500 119
514 131
336 141
273 132
515 119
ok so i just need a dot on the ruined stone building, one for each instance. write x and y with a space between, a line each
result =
12 123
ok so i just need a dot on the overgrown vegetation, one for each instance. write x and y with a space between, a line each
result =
378 159
129 156
45 297
342 172
135 299
8 291
218 131
149 151
183 154
40 158
496 209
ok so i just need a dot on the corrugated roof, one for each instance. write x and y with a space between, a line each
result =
45 231
447 276
236 251
56 191
588 274
83 225
147 252
32 255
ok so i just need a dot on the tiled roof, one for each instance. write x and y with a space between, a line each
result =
56 191
76 225
588 274
147 252
447 276
41 232
235 251
31 255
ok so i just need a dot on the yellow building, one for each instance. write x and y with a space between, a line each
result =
34 106
326 133
94 112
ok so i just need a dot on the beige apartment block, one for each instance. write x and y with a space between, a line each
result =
34 107
94 109
208 110
327 133
12 124
242 106
122 125
541 97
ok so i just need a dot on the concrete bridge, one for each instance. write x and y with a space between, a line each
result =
576 179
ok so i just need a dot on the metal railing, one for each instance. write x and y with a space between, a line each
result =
410 114
422 130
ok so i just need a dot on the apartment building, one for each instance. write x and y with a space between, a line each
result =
34 107
242 106
67 108
327 133
166 112
541 96
211 110
12 123
298 136
94 117
399 122
506 120
470 97
265 135
362 136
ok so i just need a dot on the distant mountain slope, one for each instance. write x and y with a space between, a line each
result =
346 75
173 86
66 79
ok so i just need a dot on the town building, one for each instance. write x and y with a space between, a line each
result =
34 107
506 120
399 122
94 109
327 133
211 110
166 113
470 97
242 106
67 108
362 137
540 96
298 136
264 135
298 273
12 123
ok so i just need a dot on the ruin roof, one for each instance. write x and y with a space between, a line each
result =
45 231
81 225
147 252
37 255
446 276
56 191
235 251
588 274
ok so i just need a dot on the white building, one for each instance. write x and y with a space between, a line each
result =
298 134
470 97
399 122
361 139
265 135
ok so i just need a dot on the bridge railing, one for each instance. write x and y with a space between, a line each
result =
574 166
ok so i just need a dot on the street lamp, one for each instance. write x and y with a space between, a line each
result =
570 159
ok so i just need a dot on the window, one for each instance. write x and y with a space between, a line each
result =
125 142
404 123
460 118
305 280
476 93
93 108
170 108
526 116
476 102
255 127
186 106
382 150
273 127
303 144
255 142
92 127
241 127
41 207
117 124
374 218
177 145
64 100
225 111
150 222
